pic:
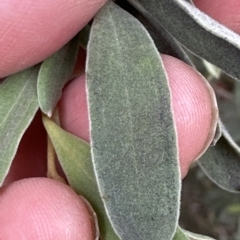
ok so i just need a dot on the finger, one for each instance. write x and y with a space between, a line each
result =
32 30
224 11
193 105
40 208
73 109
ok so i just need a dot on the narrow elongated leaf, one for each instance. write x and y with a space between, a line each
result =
75 158
84 36
164 42
133 138
18 105
237 96
54 74
228 106
218 133
212 70
194 236
221 163
180 235
196 31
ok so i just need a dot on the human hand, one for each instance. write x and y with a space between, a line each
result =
41 208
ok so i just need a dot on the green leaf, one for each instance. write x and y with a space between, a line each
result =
218 133
84 36
54 73
133 138
196 31
221 163
164 42
194 236
237 96
228 105
19 104
75 158
180 235
212 70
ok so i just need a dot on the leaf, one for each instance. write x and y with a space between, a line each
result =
84 36
164 42
218 133
180 235
19 104
221 163
194 236
196 31
228 105
212 70
54 73
133 140
75 158
237 96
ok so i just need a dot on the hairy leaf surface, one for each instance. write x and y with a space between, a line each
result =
164 42
196 31
237 96
75 158
132 131
221 163
54 74
19 104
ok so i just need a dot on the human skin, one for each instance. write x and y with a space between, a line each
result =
30 35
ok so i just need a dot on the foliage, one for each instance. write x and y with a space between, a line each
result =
130 173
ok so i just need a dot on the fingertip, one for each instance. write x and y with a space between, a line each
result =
40 208
194 108
33 30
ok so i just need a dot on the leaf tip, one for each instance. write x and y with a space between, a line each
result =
49 114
